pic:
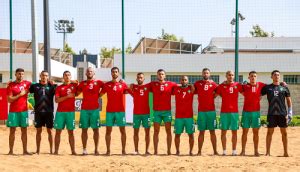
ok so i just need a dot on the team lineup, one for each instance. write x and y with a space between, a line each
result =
278 95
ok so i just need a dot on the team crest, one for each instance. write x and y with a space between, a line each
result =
166 85
235 87
120 86
225 86
85 83
281 89
95 83
145 88
210 85
72 88
189 91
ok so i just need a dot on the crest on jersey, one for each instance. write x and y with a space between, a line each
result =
109 85
85 83
166 84
145 88
120 86
281 89
72 88
189 91
95 83
210 85
235 87
225 86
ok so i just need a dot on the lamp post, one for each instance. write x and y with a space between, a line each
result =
238 16
123 42
10 41
64 27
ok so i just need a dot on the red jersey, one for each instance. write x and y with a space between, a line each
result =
69 104
90 90
115 98
184 102
140 94
252 95
15 88
206 95
230 95
162 93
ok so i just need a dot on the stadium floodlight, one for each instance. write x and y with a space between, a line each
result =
64 27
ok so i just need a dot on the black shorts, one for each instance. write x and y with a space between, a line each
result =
43 119
276 120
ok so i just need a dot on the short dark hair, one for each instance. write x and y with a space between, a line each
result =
140 73
19 70
66 72
274 71
252 72
114 68
44 71
205 69
161 70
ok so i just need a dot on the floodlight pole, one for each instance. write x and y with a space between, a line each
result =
123 47
47 58
236 59
34 43
10 41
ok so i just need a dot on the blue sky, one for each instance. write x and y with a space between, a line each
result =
98 22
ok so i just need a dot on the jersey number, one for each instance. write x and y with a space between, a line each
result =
141 92
253 89
184 93
276 93
115 88
162 88
231 90
205 87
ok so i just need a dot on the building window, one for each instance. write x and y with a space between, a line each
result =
1 78
291 79
192 78
241 79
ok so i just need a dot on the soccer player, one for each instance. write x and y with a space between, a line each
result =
65 115
184 113
251 111
17 92
44 93
205 89
162 92
115 110
278 115
89 114
229 117
141 110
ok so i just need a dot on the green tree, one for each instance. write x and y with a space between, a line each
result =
169 37
109 52
257 31
69 49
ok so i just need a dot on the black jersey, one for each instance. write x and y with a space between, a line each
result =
43 97
276 95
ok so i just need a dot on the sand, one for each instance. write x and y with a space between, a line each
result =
162 162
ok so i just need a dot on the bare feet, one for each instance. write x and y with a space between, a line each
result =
268 154
191 153
286 155
155 152
177 153
107 153
10 153
216 153
55 153
256 154
26 153
242 153
74 153
199 153
96 152
147 153
123 152
169 153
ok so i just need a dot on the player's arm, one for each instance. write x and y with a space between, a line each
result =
103 91
193 89
11 98
61 99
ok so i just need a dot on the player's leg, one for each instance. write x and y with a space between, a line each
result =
213 139
49 126
72 141
224 126
271 124
108 139
256 140
284 141
201 121
146 124
223 140
178 130
96 140
24 124
169 137
244 140
191 142
246 121
38 139
84 138
136 129
156 124
12 131
57 141
190 129
177 143
234 142
123 139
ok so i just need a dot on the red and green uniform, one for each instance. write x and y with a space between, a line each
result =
184 110
89 114
205 89
229 118
18 110
251 110
115 109
141 109
162 93
65 114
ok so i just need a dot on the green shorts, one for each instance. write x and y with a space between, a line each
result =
89 118
17 119
160 116
117 118
207 120
229 121
184 123
63 119
250 120
144 119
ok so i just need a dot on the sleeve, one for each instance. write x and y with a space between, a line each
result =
240 87
125 88
9 90
79 88
174 89
103 90
31 89
75 87
130 91
57 92
195 86
101 83
150 86
264 90
287 92
218 90
28 85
